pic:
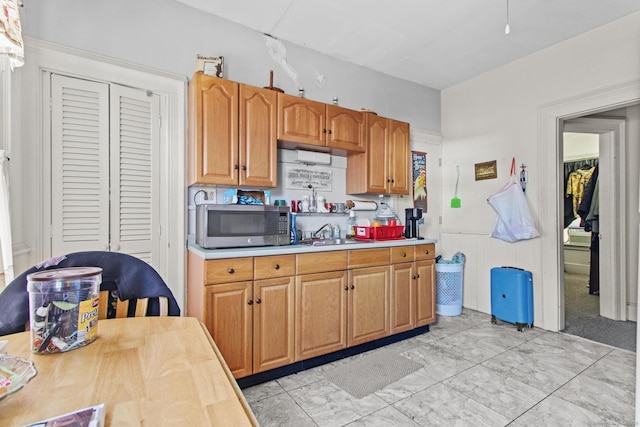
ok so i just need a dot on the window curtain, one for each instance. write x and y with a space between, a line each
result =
5 221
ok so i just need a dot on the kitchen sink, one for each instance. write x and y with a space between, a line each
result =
327 242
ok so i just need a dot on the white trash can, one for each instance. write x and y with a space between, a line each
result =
449 288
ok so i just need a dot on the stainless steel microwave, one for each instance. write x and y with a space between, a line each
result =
232 226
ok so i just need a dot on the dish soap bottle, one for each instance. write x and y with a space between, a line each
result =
351 225
336 231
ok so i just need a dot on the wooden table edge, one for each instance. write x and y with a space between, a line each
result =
232 380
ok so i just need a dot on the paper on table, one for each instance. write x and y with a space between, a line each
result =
92 416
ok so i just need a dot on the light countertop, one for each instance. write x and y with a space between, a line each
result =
298 249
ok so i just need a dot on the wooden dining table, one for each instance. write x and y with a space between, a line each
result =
151 371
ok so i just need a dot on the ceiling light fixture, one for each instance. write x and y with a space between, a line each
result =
507 28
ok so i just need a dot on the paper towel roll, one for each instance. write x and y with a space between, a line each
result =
361 205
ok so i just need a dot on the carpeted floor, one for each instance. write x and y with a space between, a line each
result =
582 316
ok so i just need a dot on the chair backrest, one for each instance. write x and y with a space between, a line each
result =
128 277
121 308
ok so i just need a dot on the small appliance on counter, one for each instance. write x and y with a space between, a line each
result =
233 226
413 217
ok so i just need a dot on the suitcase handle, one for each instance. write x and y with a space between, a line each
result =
515 268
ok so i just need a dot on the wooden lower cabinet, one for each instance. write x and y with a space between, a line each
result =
402 300
321 313
252 323
271 311
229 320
368 304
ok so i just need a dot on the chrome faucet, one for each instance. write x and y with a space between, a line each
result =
315 233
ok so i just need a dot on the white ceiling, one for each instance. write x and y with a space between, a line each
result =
436 43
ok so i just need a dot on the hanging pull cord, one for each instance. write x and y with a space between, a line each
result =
457 180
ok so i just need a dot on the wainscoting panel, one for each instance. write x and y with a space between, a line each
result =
482 254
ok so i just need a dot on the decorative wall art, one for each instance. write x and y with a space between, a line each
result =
419 166
301 178
486 170
210 65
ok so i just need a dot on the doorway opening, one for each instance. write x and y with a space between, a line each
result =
594 280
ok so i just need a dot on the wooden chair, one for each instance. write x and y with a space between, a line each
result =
122 306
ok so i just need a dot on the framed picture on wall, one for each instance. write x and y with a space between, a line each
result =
486 170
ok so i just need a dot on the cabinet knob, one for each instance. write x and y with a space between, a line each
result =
329 131
236 167
258 301
250 302
414 277
388 180
346 288
404 255
426 252
231 271
244 167
277 266
324 131
353 287
417 276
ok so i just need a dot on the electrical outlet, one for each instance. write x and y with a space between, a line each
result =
211 195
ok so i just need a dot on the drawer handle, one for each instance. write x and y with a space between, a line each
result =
231 271
404 255
426 252
277 266
250 302
258 301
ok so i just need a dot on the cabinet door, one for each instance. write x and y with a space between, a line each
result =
402 298
425 292
228 314
273 328
377 164
257 137
368 317
398 157
213 127
301 120
321 313
345 129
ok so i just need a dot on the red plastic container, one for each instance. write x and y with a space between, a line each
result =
383 232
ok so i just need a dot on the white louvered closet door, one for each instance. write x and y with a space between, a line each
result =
79 165
104 169
134 173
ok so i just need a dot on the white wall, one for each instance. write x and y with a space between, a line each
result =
167 35
497 116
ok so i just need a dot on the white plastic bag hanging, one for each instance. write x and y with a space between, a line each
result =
514 221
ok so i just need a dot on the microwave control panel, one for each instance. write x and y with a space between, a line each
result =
283 224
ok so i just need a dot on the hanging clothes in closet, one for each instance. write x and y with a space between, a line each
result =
589 213
576 177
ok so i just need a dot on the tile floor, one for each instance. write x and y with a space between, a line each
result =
475 374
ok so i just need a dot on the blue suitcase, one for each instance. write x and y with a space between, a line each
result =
512 296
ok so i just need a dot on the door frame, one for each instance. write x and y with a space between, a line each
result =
613 289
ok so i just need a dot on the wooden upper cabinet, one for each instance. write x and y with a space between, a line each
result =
345 129
213 130
398 157
301 120
232 133
258 144
305 122
384 168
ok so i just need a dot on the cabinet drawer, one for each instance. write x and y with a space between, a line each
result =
402 254
368 257
228 270
267 267
321 261
425 251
